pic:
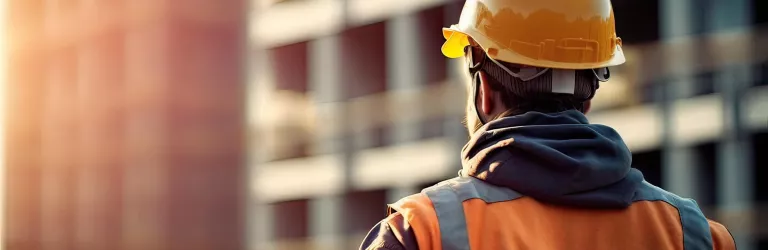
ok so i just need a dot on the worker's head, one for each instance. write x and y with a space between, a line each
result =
501 89
544 55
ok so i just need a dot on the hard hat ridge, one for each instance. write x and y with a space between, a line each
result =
561 34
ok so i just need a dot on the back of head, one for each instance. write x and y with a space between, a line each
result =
553 90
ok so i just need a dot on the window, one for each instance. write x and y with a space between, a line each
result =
291 219
628 25
760 11
704 83
707 160
759 161
650 164
761 74
364 73
363 65
430 24
433 127
651 91
290 64
363 209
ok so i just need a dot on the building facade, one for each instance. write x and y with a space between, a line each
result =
291 124
352 106
125 125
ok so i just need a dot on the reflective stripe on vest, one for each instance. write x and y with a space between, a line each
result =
696 234
447 198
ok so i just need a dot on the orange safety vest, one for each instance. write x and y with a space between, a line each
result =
467 213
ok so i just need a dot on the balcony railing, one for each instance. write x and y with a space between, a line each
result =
438 101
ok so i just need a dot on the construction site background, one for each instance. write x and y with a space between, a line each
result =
266 124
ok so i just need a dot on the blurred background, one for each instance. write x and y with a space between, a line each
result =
268 124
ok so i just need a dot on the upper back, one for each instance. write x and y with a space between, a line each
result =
468 212
528 224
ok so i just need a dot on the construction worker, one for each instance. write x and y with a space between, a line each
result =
535 173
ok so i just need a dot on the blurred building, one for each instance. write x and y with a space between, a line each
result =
159 124
352 106
125 125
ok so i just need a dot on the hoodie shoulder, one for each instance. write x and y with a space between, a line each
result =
392 233
408 217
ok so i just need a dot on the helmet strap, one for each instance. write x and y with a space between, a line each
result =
474 71
476 81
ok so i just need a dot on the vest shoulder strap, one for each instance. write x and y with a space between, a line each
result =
447 198
420 214
696 233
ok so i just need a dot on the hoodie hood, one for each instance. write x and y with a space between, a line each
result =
557 158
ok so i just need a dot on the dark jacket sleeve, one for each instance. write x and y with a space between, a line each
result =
392 233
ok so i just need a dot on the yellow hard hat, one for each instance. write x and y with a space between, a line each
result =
563 34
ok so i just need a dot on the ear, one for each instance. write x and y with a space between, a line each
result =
587 106
486 96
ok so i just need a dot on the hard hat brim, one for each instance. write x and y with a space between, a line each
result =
456 41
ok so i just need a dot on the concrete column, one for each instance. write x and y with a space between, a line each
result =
681 173
325 87
735 168
261 98
405 72
263 221
677 20
325 222
735 203
260 87
250 199
729 14
679 170
324 69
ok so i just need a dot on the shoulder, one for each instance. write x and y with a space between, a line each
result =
691 216
721 238
396 231
418 213
416 203
392 233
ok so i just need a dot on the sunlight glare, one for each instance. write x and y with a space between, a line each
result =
3 67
